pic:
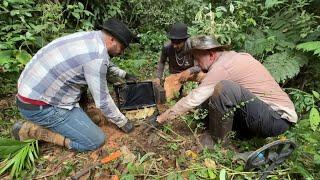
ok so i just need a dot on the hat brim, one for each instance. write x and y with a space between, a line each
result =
114 34
135 39
221 47
178 37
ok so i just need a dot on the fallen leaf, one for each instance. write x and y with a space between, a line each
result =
191 154
209 163
128 156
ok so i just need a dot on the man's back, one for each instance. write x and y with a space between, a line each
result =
55 74
243 69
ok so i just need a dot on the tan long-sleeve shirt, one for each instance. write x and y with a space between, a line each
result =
243 69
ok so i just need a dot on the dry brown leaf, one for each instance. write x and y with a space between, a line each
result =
209 163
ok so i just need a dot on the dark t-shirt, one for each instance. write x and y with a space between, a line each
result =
177 61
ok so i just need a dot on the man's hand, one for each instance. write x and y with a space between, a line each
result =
194 69
153 121
130 78
128 127
159 81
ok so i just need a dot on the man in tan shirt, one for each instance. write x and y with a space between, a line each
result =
242 94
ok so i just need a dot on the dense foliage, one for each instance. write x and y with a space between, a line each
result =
283 34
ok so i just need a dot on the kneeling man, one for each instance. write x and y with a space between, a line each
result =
243 96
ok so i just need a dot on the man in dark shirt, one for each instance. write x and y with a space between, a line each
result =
173 53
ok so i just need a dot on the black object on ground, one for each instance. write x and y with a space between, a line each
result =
270 156
135 95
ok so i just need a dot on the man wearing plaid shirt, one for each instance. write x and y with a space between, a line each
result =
49 88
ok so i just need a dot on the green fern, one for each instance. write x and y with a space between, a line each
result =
17 156
284 65
310 46
258 44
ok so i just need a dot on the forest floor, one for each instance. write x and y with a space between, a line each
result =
173 152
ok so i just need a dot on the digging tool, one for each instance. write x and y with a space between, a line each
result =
111 157
271 155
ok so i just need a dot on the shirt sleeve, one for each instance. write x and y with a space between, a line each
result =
113 69
196 96
161 63
95 73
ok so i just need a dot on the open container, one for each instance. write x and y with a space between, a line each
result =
136 99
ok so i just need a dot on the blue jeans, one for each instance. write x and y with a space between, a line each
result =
74 124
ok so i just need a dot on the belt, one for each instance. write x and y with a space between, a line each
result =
30 101
31 107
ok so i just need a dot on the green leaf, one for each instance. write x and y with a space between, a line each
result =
211 174
20 159
316 94
310 46
174 176
80 5
314 118
299 168
9 146
203 173
192 176
14 12
5 56
23 57
231 8
316 159
271 3
127 177
258 43
76 15
223 174
7 164
285 65
5 3
146 156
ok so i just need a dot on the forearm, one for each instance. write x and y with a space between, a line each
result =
113 69
161 63
111 111
160 69
194 99
95 73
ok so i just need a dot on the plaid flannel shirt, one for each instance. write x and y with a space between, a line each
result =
56 73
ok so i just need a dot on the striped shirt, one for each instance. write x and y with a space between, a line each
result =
56 73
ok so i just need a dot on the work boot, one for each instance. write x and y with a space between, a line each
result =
128 127
28 130
220 126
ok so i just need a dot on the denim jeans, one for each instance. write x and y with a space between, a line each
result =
74 124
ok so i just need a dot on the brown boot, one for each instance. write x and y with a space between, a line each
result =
220 126
28 130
